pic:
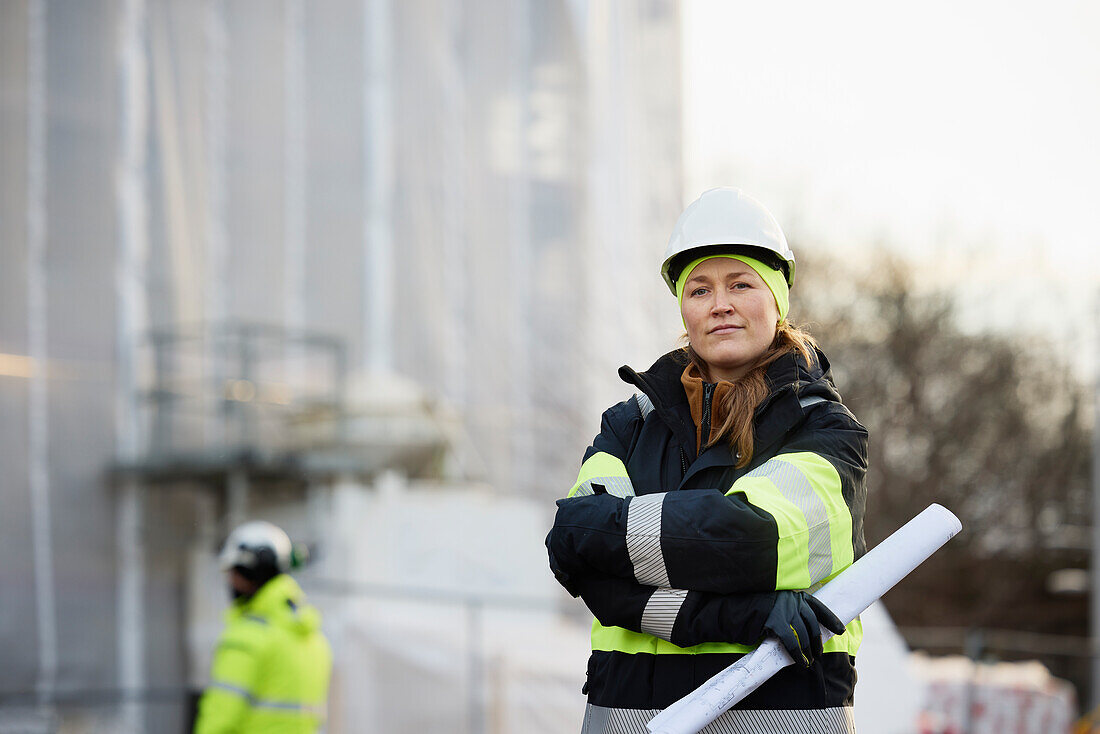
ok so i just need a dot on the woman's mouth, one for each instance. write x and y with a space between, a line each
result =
724 329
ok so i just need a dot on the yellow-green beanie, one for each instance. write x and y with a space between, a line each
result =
777 283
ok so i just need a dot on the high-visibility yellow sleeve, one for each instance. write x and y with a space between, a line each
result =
802 492
606 470
226 702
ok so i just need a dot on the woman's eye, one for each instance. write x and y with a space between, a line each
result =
741 286
698 291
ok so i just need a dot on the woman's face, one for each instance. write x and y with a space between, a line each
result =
730 315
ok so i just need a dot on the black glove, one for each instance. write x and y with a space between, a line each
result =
796 620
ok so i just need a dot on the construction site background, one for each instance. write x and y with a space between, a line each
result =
365 269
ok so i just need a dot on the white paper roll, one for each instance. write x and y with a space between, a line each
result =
852 591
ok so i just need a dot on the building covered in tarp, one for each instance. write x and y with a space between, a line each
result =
238 238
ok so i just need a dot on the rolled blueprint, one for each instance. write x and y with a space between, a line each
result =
852 591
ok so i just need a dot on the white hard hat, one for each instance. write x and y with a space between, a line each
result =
257 546
720 218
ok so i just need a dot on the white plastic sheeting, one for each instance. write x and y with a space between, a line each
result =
430 183
412 667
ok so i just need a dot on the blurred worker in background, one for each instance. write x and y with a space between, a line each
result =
714 501
272 664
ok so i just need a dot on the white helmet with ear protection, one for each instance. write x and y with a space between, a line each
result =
257 546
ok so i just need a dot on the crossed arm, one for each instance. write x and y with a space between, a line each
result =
708 565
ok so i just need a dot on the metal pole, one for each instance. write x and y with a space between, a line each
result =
294 203
133 244
130 534
456 337
1094 585
216 284
476 687
521 338
38 398
378 164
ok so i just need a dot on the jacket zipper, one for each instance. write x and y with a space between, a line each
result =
708 394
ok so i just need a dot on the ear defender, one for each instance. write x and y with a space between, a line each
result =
299 555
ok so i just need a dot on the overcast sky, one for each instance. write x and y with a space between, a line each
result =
964 133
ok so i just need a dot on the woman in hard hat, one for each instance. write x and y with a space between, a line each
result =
714 500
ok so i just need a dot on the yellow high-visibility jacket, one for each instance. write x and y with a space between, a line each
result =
271 667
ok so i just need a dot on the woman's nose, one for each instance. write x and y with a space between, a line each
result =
722 303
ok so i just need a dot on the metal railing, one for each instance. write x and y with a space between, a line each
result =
238 385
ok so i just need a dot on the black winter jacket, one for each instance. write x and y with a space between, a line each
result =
678 555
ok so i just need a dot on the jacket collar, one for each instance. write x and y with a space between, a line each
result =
269 598
279 602
790 379
661 384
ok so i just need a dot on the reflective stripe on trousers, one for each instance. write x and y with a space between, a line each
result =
600 720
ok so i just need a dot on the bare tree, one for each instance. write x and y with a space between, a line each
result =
991 426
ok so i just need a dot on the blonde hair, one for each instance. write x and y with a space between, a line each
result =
740 401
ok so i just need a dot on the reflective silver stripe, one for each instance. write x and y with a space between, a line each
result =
615 486
595 720
261 703
810 400
796 489
301 708
645 405
660 612
643 539
841 720
242 692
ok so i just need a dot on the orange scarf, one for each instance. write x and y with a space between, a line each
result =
693 386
